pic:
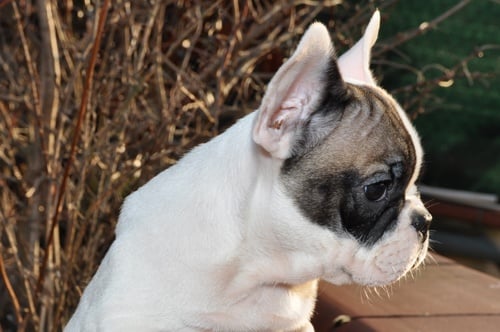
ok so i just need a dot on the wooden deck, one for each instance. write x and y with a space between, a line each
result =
443 296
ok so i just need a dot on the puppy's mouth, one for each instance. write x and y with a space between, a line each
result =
393 258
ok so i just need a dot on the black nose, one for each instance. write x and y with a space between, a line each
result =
421 222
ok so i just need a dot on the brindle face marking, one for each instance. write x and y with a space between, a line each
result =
354 180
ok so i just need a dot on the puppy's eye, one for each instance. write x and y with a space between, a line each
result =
376 191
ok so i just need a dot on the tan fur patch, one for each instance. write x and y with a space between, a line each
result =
305 290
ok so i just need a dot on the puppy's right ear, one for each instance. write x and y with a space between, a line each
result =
294 92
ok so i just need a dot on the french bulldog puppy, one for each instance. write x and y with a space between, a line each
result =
319 182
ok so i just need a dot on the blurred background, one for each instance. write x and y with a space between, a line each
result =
458 63
89 112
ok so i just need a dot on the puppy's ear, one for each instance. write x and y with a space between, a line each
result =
293 92
355 63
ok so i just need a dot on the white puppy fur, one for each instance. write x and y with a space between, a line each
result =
214 243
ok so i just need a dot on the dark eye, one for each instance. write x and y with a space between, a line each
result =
376 191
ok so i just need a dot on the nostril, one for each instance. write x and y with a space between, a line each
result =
421 222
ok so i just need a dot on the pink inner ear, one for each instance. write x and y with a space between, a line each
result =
353 66
292 92
355 63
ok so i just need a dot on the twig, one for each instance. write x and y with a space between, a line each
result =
5 2
451 72
403 37
74 142
32 73
12 293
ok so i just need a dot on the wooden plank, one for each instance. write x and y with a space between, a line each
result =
424 324
476 215
443 296
462 205
470 198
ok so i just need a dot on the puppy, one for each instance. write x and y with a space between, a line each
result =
319 182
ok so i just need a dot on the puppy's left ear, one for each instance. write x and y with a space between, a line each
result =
294 92
355 63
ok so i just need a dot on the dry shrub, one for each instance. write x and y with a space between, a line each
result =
169 75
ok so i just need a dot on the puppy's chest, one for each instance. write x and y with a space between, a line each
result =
302 291
285 304
274 307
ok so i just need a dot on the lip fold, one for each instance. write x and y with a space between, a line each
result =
385 223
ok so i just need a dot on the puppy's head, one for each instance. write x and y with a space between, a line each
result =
349 158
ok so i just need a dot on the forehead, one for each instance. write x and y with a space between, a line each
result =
372 133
